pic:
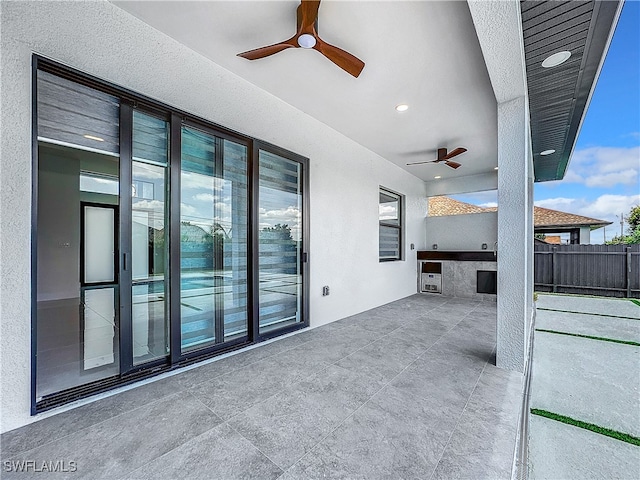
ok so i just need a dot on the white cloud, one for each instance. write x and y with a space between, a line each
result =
205 197
488 204
557 203
605 166
198 181
625 177
606 207
290 215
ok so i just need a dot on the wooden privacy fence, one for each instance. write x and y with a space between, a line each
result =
605 270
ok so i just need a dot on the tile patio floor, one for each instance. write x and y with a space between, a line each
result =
408 390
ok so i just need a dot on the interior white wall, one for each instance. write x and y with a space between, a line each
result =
462 232
59 207
102 40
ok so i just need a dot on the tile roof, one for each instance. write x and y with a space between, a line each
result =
546 217
441 206
542 217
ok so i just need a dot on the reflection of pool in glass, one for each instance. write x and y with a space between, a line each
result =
156 285
279 306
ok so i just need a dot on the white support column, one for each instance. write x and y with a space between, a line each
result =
515 233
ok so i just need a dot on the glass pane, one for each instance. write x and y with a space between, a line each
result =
99 315
231 214
389 208
150 138
199 236
213 240
77 322
280 242
99 244
389 242
149 260
73 114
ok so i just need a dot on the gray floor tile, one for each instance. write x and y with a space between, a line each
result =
448 377
336 391
285 427
220 453
231 394
117 446
58 426
483 443
384 359
290 423
340 344
559 451
377 442
479 466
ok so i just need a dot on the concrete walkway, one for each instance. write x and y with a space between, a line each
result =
408 390
593 380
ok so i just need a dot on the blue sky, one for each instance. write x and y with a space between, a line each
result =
602 180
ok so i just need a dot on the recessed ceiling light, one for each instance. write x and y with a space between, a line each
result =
547 152
556 59
403 107
91 137
438 176
495 168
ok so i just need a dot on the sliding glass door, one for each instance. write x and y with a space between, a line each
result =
213 240
158 238
149 239
281 242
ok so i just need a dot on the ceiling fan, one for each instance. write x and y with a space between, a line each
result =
445 157
307 37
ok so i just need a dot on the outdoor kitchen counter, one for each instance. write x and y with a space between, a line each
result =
462 273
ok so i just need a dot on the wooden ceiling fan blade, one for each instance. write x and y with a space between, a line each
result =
344 60
451 164
268 50
454 153
307 14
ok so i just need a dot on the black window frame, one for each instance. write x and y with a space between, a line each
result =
399 225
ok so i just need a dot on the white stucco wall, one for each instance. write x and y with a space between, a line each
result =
102 40
462 232
499 29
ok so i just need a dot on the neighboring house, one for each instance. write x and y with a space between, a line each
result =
579 227
153 95
545 220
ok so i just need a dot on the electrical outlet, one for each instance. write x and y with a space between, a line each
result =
325 291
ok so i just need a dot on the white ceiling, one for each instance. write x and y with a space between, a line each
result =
422 53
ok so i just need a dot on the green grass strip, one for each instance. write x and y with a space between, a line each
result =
624 342
625 437
637 302
585 313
